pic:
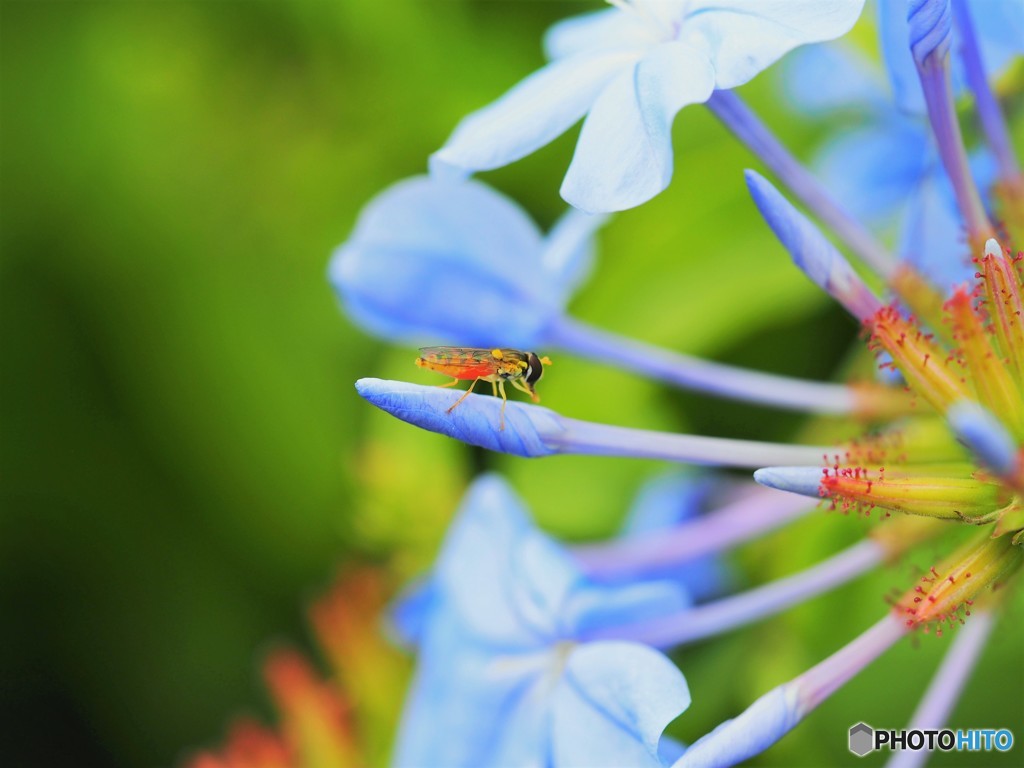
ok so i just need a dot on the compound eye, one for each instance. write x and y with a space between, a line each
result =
536 369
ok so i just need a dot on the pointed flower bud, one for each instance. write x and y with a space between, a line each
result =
947 590
815 255
929 370
1003 305
533 431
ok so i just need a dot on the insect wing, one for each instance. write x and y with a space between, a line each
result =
461 362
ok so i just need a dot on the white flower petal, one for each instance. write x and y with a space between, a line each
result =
743 37
624 155
530 115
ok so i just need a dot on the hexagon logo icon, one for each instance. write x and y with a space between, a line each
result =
862 739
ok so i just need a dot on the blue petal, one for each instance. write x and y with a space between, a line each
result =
624 154
475 421
763 723
609 29
744 38
872 171
506 582
819 79
894 36
445 262
612 704
933 237
568 255
461 700
531 114
411 612
592 608
999 25
664 502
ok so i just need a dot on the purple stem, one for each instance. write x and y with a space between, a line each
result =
743 608
748 128
701 375
938 95
756 511
993 123
947 684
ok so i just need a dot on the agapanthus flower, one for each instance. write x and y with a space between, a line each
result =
505 673
630 69
534 653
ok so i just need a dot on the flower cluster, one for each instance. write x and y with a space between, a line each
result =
534 653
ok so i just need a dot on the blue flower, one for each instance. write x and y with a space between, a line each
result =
999 25
505 675
630 69
433 261
886 171
663 502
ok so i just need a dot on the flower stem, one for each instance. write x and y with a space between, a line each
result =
756 511
993 123
701 375
748 128
743 608
590 438
947 684
938 95
780 710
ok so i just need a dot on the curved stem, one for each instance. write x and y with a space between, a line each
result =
947 684
756 511
590 438
744 608
993 123
701 375
748 128
938 96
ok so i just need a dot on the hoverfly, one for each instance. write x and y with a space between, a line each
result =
521 369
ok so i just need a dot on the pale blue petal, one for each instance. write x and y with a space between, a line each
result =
460 699
505 580
568 255
932 237
411 611
531 114
894 36
593 608
624 154
811 252
819 79
664 502
999 25
608 29
612 705
763 723
872 171
457 263
743 38
475 421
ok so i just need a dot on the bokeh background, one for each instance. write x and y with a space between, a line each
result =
185 463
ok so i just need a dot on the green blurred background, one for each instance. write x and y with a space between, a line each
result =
184 460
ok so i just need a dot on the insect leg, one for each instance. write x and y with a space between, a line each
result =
504 400
451 383
464 396
494 388
523 388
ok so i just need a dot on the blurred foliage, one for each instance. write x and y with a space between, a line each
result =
184 459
